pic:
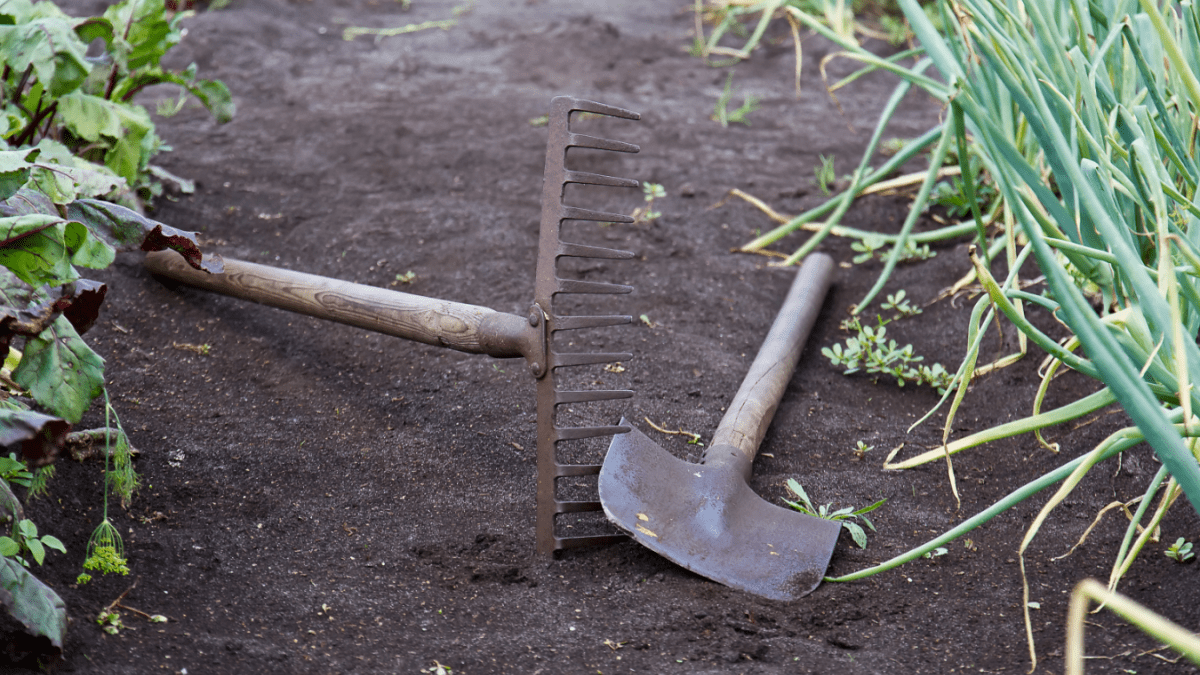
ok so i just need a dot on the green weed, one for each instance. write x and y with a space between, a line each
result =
721 111
871 247
1180 551
896 301
870 350
647 213
25 541
847 516
826 174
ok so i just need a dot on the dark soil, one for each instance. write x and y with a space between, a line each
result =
320 499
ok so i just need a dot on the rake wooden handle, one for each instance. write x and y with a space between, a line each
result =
745 422
454 325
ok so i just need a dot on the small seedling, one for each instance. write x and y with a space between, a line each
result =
1180 551
110 621
939 551
953 194
406 278
647 214
862 449
826 176
721 110
898 302
202 350
846 516
892 146
645 318
872 247
866 248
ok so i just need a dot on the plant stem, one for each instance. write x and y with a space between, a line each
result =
30 130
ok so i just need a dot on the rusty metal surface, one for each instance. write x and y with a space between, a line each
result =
705 517
548 285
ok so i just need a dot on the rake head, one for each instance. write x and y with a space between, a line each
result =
548 285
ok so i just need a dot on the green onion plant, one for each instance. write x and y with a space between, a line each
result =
1075 129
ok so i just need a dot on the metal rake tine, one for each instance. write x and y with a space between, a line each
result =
585 359
578 322
579 433
572 104
576 213
563 397
575 286
568 250
596 143
585 178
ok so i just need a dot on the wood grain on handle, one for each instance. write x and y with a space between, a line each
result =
746 420
454 325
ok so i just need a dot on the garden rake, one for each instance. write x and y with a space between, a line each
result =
474 329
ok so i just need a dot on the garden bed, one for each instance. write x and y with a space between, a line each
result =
320 499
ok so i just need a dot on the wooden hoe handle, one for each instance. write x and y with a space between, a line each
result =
745 423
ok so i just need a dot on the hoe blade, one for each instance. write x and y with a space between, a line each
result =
707 519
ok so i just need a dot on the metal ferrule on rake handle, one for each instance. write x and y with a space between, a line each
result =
745 423
454 325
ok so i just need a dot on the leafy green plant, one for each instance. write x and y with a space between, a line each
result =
14 471
25 540
871 350
861 449
1180 551
846 516
75 144
52 91
721 111
1084 122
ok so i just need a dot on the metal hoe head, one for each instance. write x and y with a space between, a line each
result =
707 519
704 516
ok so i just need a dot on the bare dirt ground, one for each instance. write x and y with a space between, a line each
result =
319 499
